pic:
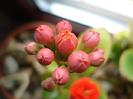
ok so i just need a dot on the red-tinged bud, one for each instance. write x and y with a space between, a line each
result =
32 48
78 61
48 84
63 25
90 40
96 59
99 50
44 35
60 76
66 42
45 56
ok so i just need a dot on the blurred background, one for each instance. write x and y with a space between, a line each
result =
19 18
114 15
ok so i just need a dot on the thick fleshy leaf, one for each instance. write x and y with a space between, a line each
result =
121 35
50 95
126 64
46 75
73 77
88 71
52 66
64 94
120 43
117 49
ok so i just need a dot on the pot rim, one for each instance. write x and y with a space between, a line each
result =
15 32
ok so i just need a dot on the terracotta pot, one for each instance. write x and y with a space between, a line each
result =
14 33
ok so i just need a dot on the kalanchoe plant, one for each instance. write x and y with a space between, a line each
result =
62 48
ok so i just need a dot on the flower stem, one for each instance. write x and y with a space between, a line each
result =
60 89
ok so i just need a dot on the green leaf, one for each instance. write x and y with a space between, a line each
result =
46 75
121 35
126 64
64 94
120 43
52 66
117 49
50 95
103 94
73 77
89 70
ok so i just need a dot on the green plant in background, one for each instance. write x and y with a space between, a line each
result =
122 52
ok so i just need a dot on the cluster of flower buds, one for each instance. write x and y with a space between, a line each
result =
61 47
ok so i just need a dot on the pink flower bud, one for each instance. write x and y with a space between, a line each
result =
66 42
45 56
90 39
48 84
63 25
99 50
96 59
78 61
60 76
44 35
32 48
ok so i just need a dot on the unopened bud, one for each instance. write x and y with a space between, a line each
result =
48 84
63 25
78 61
66 42
96 59
45 56
90 40
44 35
32 48
99 50
60 76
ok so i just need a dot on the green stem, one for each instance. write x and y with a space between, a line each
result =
60 89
